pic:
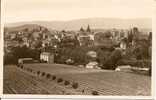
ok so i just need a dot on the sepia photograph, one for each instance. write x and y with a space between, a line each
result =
77 47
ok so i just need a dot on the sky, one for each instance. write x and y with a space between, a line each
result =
50 10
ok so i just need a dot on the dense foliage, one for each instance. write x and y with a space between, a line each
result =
79 55
20 52
111 61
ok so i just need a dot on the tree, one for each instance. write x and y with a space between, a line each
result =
107 34
150 38
142 51
38 44
24 52
45 30
26 30
20 52
130 36
63 31
102 55
9 59
135 30
111 62
135 33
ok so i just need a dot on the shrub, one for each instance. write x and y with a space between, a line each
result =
48 75
9 58
43 73
66 82
144 63
38 72
111 62
54 77
27 69
95 93
60 80
75 85
18 65
138 63
31 70
21 66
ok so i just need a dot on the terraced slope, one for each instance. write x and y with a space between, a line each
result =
19 80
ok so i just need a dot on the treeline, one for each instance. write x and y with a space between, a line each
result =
139 56
20 52
106 57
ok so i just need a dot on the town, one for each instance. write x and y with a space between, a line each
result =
77 49
65 46
118 50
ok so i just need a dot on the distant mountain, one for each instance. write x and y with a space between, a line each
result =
28 27
95 23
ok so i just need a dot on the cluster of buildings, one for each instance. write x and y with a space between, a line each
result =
43 38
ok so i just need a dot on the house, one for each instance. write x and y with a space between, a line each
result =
92 65
91 36
124 68
11 44
13 36
115 33
91 56
140 39
45 43
123 43
84 40
68 42
102 39
70 34
25 60
47 57
26 41
36 35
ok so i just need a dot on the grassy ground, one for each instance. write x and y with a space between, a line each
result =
105 82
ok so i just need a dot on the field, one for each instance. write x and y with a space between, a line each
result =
31 80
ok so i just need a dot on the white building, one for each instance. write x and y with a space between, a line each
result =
46 56
25 60
92 54
91 36
92 65
123 44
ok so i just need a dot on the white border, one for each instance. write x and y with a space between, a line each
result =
79 96
153 50
1 48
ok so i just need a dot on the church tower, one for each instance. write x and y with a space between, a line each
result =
88 29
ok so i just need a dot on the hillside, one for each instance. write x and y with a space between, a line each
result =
24 27
25 80
95 23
